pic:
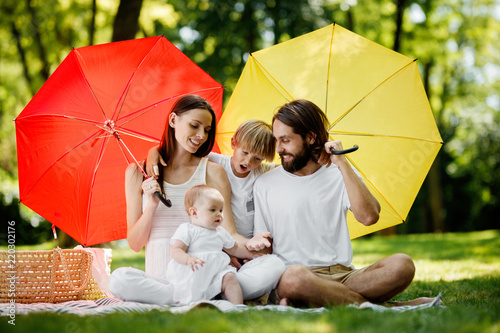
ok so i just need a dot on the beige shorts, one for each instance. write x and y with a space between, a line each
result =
338 273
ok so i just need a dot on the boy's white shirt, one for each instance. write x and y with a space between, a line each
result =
242 202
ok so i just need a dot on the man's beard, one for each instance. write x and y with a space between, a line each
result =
299 159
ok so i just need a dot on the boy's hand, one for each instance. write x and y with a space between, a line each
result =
193 262
154 158
235 262
259 242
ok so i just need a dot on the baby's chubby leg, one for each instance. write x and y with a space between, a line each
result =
231 289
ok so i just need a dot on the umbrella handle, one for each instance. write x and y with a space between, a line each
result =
345 151
166 202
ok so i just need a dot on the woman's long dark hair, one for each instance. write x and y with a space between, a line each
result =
168 142
305 117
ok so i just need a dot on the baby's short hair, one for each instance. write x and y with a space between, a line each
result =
257 137
197 192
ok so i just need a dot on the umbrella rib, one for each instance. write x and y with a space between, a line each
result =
87 82
136 135
121 101
120 130
328 71
380 84
89 204
382 135
84 142
375 188
140 112
88 121
290 97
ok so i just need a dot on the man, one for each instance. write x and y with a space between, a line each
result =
304 204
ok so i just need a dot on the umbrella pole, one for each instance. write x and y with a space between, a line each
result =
164 200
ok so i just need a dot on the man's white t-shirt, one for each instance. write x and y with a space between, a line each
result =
306 216
242 200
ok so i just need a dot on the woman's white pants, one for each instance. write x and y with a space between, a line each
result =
257 277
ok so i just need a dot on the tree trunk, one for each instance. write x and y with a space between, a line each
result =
92 22
126 22
399 24
433 178
45 70
350 20
17 36
250 33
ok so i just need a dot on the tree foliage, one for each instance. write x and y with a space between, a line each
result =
455 42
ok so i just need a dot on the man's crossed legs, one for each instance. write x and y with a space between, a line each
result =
336 285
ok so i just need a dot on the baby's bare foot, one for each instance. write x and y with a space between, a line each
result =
284 301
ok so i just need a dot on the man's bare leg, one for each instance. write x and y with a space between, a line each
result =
379 283
385 279
299 283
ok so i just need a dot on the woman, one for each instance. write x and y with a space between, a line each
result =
188 137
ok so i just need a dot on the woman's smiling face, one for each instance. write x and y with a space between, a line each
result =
191 128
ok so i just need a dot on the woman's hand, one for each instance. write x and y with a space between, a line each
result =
149 187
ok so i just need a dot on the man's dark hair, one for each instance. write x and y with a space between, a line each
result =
305 117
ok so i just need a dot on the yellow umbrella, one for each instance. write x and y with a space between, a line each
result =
373 98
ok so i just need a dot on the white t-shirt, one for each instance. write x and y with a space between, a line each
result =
242 202
306 216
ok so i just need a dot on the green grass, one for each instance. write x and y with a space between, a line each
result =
464 267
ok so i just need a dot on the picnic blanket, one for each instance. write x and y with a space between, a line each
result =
110 305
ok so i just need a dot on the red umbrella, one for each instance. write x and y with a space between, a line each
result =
103 103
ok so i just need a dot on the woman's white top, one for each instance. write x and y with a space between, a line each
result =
167 220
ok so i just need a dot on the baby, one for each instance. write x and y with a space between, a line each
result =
199 269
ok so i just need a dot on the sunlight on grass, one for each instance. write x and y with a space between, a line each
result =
437 257
454 270
318 327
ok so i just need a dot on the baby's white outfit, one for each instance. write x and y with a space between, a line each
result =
205 282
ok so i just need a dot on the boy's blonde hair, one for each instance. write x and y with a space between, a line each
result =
257 137
197 192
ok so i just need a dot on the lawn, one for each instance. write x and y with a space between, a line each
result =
464 267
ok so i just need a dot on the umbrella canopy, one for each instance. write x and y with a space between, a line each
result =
70 156
373 98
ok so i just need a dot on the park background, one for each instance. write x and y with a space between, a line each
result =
456 43
452 229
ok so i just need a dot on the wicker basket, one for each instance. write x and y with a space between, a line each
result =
47 276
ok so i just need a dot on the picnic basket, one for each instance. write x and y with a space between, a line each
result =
52 276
